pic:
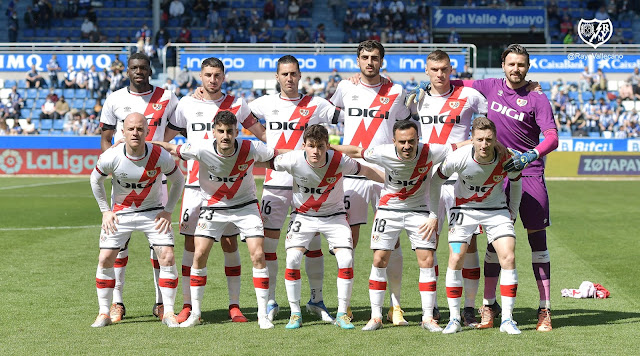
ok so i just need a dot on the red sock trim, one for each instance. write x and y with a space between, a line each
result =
198 281
427 286
121 262
270 256
186 271
508 290
377 285
454 292
471 273
292 274
314 253
345 273
155 263
168 283
105 283
261 283
232 271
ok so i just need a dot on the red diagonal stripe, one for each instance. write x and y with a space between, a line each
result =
448 126
230 192
314 204
405 193
135 198
156 115
364 135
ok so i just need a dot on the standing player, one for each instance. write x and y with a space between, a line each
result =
196 117
520 116
370 110
287 114
403 206
228 191
137 205
445 114
157 105
318 198
480 199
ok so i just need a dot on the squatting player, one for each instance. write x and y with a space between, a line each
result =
480 199
137 168
287 114
228 193
370 110
318 198
158 106
403 206
196 117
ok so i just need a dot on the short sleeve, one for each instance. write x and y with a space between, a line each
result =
373 155
350 166
178 120
245 118
167 164
261 152
439 152
398 109
104 166
337 99
285 162
188 151
326 112
482 85
172 109
108 119
479 103
256 107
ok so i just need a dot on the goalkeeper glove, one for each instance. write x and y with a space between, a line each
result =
416 94
520 160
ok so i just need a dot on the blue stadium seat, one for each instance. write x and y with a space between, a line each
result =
246 84
22 83
69 94
47 124
58 124
601 95
35 113
77 103
279 23
28 32
90 103
8 83
564 134
81 93
586 95
29 102
34 121
573 95
42 93
31 93
39 103
594 134
545 85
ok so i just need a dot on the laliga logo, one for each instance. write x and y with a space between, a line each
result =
10 161
595 32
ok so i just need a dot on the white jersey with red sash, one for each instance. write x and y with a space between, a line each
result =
157 105
196 116
406 181
286 120
317 191
227 181
136 186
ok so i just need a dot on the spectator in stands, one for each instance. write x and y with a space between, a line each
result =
317 86
216 36
454 37
213 19
552 11
601 14
61 108
363 17
59 9
4 129
634 80
411 36
185 80
46 14
466 73
184 36
281 10
149 49
319 36
16 129
423 32
336 7
302 36
599 81
397 36
411 83
4 111
90 126
29 18
560 99
385 74
412 10
13 26
53 67
593 124
48 109
34 79
305 8
143 32
293 11
15 104
578 121
72 9
269 11
625 11
331 87
562 122
289 34
117 64
86 28
201 10
176 9
586 80
349 21
608 121
29 128
81 79
116 80
169 85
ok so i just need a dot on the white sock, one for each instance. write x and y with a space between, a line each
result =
454 292
314 266
427 283
345 278
198 282
292 281
120 267
156 274
394 276
233 270
271 258
261 285
508 289
105 283
471 278
187 261
377 288
168 284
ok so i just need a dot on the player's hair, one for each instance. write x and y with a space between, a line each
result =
517 49
370 45
404 125
316 133
483 123
139 55
225 117
438 56
288 59
212 62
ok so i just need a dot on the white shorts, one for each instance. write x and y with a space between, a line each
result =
275 207
213 223
130 222
463 223
190 211
358 194
388 224
302 228
448 201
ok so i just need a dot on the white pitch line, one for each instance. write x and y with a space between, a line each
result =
35 185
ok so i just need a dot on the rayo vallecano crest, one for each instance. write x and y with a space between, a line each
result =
454 104
595 32
331 180
243 167
157 107
304 112
384 100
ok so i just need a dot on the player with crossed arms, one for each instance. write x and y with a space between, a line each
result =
287 114
403 206
318 198
137 168
480 199
158 106
195 116
370 110
228 193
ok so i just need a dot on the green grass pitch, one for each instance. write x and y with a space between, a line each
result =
49 240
